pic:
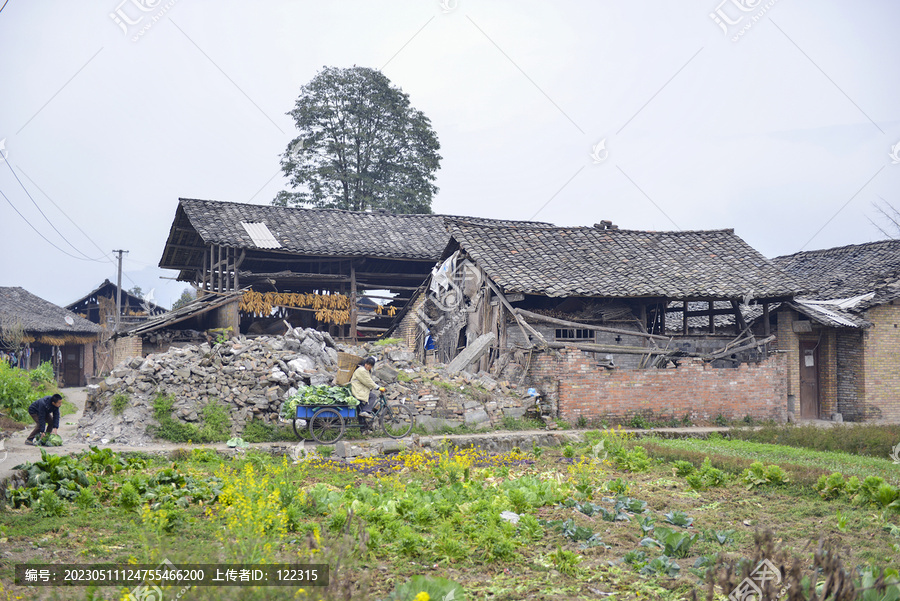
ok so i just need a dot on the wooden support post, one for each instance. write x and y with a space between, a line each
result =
738 316
712 318
202 281
519 320
353 308
219 268
642 316
766 329
684 320
237 264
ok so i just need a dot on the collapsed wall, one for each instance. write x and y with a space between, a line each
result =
252 377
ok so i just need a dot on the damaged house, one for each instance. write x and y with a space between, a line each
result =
609 323
843 339
345 272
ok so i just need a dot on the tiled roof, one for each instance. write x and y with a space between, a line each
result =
849 271
323 232
586 261
38 316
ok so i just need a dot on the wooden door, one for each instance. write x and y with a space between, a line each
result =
73 365
809 379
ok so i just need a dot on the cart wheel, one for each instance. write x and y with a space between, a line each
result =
396 420
301 428
326 426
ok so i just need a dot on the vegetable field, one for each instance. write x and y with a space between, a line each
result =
612 518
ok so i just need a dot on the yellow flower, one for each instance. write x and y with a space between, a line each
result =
423 596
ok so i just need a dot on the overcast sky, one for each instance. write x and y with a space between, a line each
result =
774 118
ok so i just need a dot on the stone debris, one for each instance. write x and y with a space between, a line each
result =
252 377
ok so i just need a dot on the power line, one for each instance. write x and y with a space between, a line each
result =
13 171
72 221
38 232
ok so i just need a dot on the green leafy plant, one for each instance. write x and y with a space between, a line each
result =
617 486
128 496
706 477
636 558
434 586
679 518
50 505
647 524
640 422
674 543
319 395
719 536
566 562
661 565
19 388
831 487
758 475
841 521
684 468
119 402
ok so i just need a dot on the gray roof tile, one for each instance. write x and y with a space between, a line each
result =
587 261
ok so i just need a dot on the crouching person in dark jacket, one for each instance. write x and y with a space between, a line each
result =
45 413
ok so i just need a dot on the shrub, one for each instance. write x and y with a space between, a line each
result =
129 497
119 402
85 498
20 388
49 505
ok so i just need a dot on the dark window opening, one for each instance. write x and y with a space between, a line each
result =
574 334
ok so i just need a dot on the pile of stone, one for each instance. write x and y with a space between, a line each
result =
442 401
253 377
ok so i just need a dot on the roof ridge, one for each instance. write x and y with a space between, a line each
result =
592 228
374 213
838 249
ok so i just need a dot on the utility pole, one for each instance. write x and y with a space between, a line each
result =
119 290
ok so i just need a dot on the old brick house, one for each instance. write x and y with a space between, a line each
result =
610 323
843 340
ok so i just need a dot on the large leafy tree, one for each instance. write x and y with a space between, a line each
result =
361 146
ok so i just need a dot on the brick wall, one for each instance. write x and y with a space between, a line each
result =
828 375
787 342
125 348
882 363
850 370
694 389
408 329
89 350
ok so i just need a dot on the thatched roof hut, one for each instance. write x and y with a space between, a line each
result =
41 321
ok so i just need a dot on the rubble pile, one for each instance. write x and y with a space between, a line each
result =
252 377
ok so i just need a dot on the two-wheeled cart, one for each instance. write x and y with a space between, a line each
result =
328 423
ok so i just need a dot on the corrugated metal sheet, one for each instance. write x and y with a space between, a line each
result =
261 235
